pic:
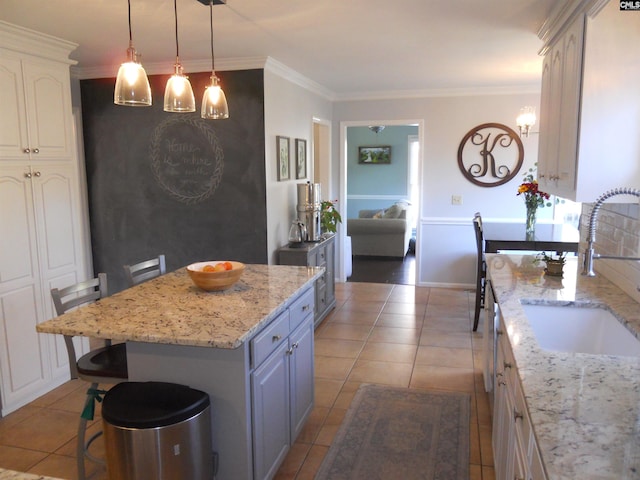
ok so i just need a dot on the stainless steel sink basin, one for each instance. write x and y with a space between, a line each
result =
580 329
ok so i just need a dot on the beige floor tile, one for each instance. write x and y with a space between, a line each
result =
315 422
326 391
475 472
474 443
346 394
389 352
46 432
442 378
488 473
312 462
408 336
386 373
293 462
61 394
354 318
333 367
343 331
440 338
447 324
444 356
330 347
486 449
399 320
416 309
359 304
19 459
447 310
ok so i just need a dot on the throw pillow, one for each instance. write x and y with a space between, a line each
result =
392 212
379 214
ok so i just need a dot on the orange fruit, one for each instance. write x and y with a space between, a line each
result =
219 267
209 268
228 265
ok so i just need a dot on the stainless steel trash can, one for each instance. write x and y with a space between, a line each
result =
157 431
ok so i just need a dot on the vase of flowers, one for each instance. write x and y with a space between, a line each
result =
533 199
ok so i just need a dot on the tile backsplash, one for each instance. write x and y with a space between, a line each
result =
617 233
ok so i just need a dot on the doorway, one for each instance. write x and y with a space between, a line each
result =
367 186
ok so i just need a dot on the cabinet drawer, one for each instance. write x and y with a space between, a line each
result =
268 340
302 307
321 258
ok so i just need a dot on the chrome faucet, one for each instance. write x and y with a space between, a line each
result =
589 253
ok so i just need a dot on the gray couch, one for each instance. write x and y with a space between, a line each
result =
384 233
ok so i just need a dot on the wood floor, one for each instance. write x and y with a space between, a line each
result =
393 270
402 335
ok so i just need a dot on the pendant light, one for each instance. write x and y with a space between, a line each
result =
178 94
214 101
132 85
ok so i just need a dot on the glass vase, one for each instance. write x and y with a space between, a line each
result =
530 225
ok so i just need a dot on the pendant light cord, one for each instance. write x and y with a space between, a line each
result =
130 35
211 24
175 15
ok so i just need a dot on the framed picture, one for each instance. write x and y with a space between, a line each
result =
374 155
301 158
282 145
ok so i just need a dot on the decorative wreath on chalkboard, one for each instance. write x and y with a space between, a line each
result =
186 158
500 153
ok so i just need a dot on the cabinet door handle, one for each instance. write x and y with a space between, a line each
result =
507 365
26 150
295 345
275 338
499 332
36 150
27 175
517 415
290 351
306 307
37 174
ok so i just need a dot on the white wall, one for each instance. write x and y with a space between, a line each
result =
445 237
289 111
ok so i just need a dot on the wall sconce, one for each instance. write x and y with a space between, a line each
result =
526 119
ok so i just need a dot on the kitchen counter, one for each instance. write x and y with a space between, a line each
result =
172 310
585 409
11 475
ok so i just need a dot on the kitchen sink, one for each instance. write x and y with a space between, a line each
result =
580 329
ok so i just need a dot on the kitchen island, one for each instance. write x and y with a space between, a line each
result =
250 348
584 408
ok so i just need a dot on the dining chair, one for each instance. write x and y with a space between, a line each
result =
105 365
143 271
481 272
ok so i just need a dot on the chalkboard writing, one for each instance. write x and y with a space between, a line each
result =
186 159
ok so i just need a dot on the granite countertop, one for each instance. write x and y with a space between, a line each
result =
11 475
585 409
170 309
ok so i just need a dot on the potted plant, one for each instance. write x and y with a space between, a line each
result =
329 217
554 263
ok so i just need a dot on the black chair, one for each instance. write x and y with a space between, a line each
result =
143 271
106 365
481 273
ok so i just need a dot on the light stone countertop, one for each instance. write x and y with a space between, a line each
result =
170 309
585 409
12 475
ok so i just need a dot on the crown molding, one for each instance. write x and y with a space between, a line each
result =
280 69
25 40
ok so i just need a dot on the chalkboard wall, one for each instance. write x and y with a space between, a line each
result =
173 183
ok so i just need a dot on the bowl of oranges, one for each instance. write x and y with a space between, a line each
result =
215 274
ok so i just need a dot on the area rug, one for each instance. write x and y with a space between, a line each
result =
396 433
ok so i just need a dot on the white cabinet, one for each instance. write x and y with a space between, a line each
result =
36 121
42 217
282 386
515 451
588 110
559 111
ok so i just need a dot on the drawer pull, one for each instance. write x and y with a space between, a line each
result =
501 383
295 345
499 332
275 338
517 415
507 365
290 351
306 307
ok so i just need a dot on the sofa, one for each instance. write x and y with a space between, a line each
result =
382 233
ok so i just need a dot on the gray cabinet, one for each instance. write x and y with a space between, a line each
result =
316 254
282 387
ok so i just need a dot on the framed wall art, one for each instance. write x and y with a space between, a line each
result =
282 145
301 158
374 155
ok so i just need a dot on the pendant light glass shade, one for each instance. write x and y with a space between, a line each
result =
132 85
214 101
178 94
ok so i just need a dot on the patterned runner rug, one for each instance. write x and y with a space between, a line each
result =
397 433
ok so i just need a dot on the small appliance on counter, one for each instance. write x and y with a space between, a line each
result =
308 208
297 234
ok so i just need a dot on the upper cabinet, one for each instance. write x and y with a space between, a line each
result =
590 104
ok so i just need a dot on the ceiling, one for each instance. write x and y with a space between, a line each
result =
352 48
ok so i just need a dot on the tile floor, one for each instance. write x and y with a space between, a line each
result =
400 335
